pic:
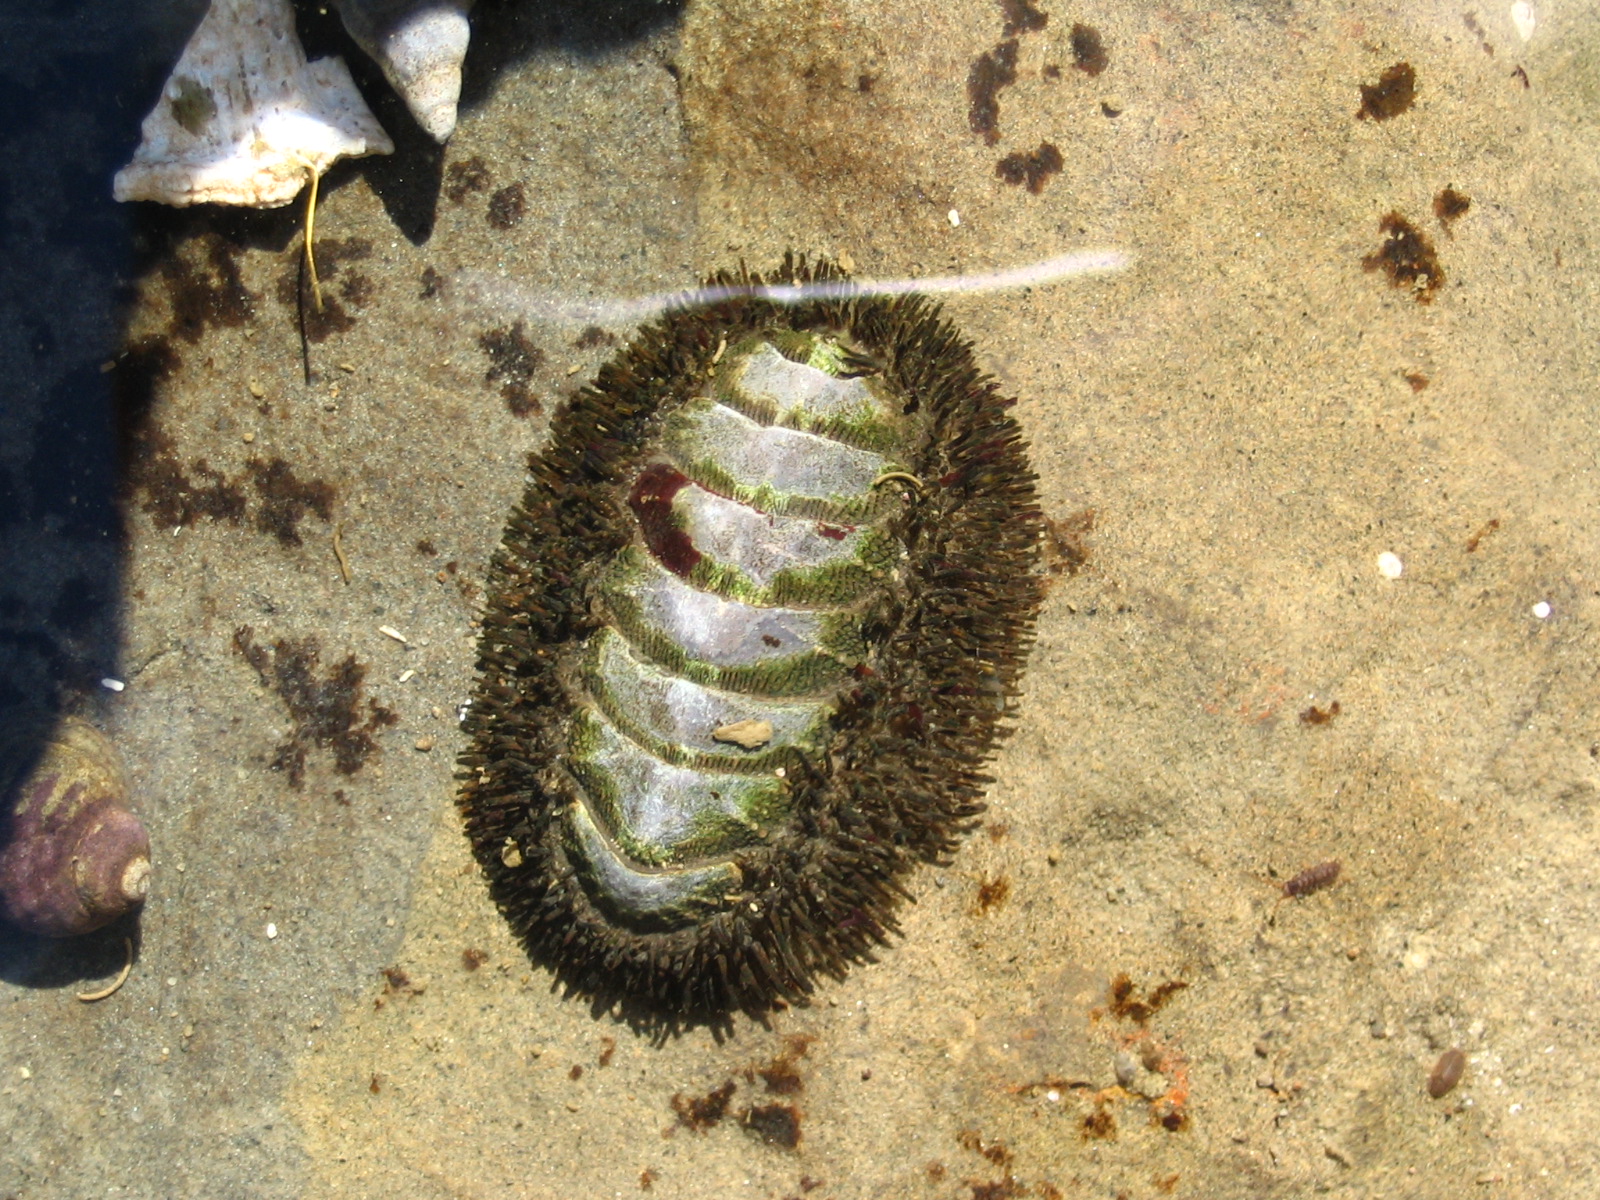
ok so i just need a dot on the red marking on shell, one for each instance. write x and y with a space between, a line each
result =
651 501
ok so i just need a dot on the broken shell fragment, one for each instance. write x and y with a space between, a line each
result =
73 857
244 119
419 45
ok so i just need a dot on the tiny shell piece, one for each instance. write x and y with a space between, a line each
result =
74 858
1447 1072
748 734
244 117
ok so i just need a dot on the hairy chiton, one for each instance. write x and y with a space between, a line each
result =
752 635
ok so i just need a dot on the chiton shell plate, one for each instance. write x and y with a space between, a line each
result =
752 635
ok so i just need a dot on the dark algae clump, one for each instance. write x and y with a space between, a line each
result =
326 712
1393 94
1408 258
1031 169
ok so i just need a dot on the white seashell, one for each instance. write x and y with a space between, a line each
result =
1524 18
244 117
419 44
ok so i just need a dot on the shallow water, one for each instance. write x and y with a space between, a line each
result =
1228 432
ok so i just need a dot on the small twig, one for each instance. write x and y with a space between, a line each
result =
311 229
122 977
902 477
338 552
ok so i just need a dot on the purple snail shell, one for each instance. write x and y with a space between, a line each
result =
73 858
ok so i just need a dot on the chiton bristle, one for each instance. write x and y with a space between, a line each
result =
750 638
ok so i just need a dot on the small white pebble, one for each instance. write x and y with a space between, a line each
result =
1542 610
1523 18
391 631
955 217
24 1073
1053 1096
405 675
112 685
1390 566
272 930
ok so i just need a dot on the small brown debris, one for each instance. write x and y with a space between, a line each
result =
996 1151
1089 50
700 1113
1446 1073
993 892
646 1178
608 1047
1032 170
286 499
432 284
1099 1124
1449 205
991 72
1125 1003
463 178
1393 94
1521 74
1022 17
576 1073
397 983
781 1076
747 734
1416 379
508 206
1484 531
1408 258
472 958
1313 879
1066 546
593 336
325 713
513 359
1320 716
774 1124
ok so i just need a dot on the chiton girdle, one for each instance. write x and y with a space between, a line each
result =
751 637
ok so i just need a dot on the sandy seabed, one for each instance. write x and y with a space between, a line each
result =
1226 690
